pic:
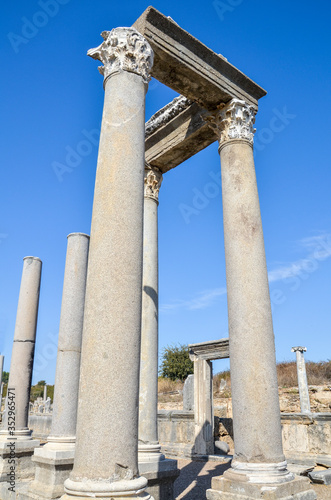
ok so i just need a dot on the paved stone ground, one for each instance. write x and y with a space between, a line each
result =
195 479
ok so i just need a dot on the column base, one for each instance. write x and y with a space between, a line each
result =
54 462
150 453
228 489
161 477
15 459
104 490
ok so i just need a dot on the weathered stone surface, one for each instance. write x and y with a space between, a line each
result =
173 137
225 489
302 379
161 477
222 447
188 394
106 454
321 476
189 67
203 407
213 349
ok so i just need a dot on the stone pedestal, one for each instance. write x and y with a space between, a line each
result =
259 462
106 454
16 442
161 477
55 460
302 379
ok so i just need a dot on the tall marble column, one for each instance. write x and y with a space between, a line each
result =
106 455
149 448
54 461
259 458
15 425
302 379
160 472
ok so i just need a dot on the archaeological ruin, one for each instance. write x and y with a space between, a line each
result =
122 448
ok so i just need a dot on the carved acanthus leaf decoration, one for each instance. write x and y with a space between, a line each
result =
124 49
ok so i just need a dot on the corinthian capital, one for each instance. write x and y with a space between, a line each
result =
235 120
152 182
124 49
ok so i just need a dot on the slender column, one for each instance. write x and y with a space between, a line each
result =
15 426
20 375
256 413
302 379
149 448
54 461
106 455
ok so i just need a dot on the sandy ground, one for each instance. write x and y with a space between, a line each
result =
195 479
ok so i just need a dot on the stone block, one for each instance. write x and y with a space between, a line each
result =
161 477
321 476
188 394
225 489
24 467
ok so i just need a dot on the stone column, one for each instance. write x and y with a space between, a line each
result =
106 455
259 458
161 473
149 448
54 461
45 393
203 407
15 425
302 379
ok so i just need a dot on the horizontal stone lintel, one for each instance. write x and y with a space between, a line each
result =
190 68
179 139
214 349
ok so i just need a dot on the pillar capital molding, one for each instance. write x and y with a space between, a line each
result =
299 348
152 182
233 121
124 49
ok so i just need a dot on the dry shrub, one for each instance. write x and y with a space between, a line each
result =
317 373
166 385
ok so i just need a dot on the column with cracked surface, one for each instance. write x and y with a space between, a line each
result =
15 424
106 454
259 461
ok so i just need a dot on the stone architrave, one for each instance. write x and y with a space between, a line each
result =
259 461
15 425
160 472
106 454
302 379
54 461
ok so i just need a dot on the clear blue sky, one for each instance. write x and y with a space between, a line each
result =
51 92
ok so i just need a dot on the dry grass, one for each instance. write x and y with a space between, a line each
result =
167 385
317 373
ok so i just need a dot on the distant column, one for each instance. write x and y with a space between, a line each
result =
302 379
106 454
45 393
20 375
54 461
149 449
203 407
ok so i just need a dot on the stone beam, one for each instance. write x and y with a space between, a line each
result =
175 133
214 349
187 66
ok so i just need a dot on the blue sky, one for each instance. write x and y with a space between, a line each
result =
51 100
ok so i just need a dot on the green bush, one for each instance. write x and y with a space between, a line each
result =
176 363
